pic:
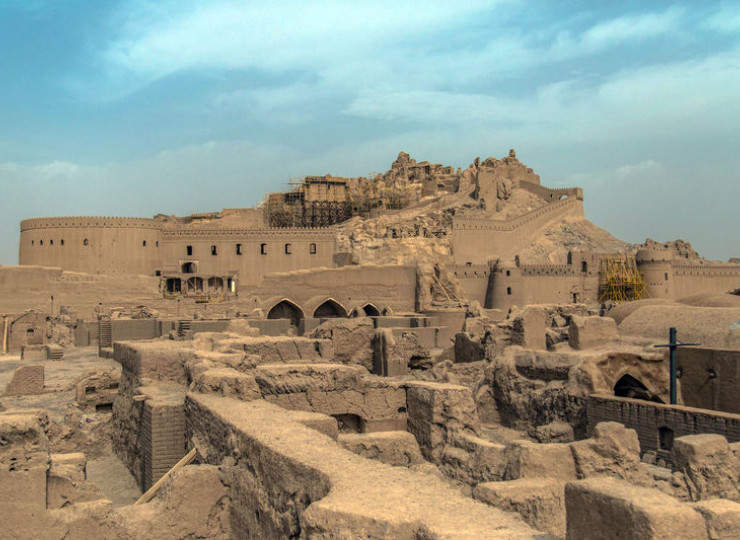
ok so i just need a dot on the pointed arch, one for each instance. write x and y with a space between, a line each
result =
286 309
371 310
330 308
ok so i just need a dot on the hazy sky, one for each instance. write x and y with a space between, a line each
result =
131 108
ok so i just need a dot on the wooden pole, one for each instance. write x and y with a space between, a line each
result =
152 491
5 335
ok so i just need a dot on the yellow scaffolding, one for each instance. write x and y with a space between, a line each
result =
620 280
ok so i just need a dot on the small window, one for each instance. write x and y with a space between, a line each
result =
263 249
508 273
51 242
61 241
85 242
41 242
508 290
287 249
31 242
156 244
312 249
189 250
214 251
238 249
157 272
143 244
584 266
666 276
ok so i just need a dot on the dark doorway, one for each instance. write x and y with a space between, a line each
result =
665 438
370 310
173 285
286 309
630 387
329 309
348 423
188 268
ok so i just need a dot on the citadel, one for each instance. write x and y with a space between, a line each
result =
429 352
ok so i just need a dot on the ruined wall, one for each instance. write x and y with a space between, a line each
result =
657 425
96 245
477 240
710 378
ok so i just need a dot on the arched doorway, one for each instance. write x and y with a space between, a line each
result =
329 309
370 310
630 387
285 309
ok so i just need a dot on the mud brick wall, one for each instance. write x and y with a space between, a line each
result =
649 419
27 380
162 440
710 378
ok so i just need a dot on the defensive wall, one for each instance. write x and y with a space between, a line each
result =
657 424
675 278
95 245
120 245
476 240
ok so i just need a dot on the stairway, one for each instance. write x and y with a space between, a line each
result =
183 329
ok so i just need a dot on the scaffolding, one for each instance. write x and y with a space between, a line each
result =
620 280
314 202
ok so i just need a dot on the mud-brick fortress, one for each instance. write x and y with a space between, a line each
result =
489 219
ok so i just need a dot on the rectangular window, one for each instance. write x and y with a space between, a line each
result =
190 250
263 249
238 249
312 249
213 250
287 249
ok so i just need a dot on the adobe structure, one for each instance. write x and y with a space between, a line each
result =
425 353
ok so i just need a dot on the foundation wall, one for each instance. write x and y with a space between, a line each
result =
162 440
657 425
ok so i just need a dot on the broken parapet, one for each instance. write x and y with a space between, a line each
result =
708 465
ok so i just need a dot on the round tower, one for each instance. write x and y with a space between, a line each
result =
655 265
505 287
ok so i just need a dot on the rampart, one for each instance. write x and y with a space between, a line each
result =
96 245
477 240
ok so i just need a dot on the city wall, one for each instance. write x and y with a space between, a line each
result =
476 240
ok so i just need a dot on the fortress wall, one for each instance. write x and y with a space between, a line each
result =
252 264
95 245
547 287
478 240
689 280
391 286
550 194
474 280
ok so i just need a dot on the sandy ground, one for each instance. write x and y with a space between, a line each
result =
72 429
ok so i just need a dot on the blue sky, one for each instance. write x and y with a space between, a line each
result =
134 108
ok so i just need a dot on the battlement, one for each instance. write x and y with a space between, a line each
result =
79 222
